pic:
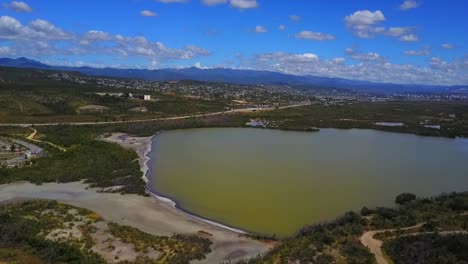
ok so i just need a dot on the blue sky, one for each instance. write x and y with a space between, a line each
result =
402 41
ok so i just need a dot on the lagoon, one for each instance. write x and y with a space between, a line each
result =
274 182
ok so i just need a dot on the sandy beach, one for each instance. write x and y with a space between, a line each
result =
148 214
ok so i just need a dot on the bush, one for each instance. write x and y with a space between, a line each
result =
405 198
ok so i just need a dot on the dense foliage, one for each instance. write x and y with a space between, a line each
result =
338 241
405 198
23 229
429 249
365 115
99 163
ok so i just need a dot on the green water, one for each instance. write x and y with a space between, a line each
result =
274 182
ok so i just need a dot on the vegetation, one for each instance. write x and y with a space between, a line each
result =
33 96
405 198
175 249
451 116
28 234
428 249
338 241
99 163
22 232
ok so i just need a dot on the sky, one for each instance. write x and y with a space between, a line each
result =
396 41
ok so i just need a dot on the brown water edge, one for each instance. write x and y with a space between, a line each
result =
274 182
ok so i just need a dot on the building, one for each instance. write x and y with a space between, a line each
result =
147 97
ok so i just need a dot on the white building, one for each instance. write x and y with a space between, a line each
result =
147 97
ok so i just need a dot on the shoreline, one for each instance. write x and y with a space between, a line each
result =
144 213
143 147
145 168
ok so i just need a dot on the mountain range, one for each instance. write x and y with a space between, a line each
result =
252 77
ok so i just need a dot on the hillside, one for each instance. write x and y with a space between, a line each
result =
242 77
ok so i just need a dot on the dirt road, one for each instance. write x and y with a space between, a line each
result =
243 110
375 245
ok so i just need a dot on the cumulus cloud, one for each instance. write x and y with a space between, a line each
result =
42 38
281 27
364 57
148 13
18 6
261 29
314 35
365 24
295 18
369 68
448 46
409 4
409 38
244 4
425 51
364 17
12 29
214 2
399 31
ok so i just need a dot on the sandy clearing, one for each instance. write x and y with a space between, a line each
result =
150 215
147 214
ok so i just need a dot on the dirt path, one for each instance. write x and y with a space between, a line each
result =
243 110
34 133
375 245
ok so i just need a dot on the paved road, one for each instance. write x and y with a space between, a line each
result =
23 158
243 110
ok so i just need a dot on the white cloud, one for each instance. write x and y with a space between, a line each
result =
365 24
409 38
261 29
364 17
244 4
448 46
281 27
399 31
42 38
376 70
94 36
18 6
425 51
314 35
214 2
409 4
456 67
295 18
12 29
148 13
364 57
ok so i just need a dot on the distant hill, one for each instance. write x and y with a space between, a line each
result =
241 77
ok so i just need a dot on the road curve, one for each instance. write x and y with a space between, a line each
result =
375 245
242 110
